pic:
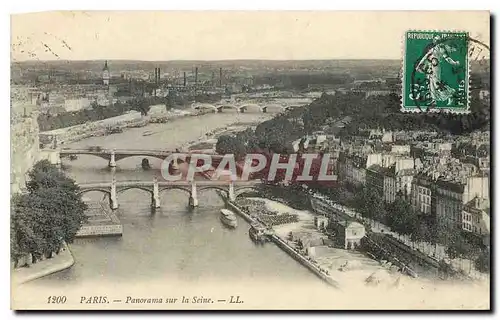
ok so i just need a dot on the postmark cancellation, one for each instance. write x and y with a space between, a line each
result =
436 72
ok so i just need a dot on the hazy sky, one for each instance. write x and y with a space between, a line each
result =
212 35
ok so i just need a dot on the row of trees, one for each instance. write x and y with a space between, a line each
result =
384 112
271 136
47 215
401 218
276 134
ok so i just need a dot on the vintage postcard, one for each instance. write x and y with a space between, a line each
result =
263 160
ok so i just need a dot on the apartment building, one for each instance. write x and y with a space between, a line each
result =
423 194
453 195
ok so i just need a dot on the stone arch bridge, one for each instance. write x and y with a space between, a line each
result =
231 189
114 155
244 107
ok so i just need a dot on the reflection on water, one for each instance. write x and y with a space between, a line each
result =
174 242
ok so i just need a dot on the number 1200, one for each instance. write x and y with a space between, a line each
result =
56 299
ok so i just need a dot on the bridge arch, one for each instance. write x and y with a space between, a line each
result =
251 107
229 107
123 189
240 191
204 106
104 156
103 190
199 189
186 189
275 107
223 189
124 156
117 156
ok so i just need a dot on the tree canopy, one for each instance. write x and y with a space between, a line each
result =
50 213
401 217
369 203
483 261
227 144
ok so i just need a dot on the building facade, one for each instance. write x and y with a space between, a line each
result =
392 181
452 196
422 195
476 219
348 234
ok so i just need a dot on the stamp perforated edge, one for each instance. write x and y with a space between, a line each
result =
404 109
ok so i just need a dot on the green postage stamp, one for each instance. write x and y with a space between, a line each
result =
435 72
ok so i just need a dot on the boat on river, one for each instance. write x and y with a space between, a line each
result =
147 133
258 233
228 218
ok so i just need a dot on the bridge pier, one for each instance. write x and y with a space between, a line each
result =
193 197
241 110
113 200
264 109
175 164
232 195
112 161
219 110
155 199
53 156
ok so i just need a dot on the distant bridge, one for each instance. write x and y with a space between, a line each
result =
245 107
232 189
261 96
113 155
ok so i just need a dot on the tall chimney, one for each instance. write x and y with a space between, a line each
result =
213 79
158 75
195 82
220 77
156 81
184 78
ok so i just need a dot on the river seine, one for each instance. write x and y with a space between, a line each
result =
175 243
178 254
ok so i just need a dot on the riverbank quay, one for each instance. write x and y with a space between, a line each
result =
58 262
407 252
286 247
247 217
101 222
316 269
99 128
377 247
347 267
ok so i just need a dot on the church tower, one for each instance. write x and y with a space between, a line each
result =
105 74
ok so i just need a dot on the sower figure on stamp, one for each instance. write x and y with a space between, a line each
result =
430 65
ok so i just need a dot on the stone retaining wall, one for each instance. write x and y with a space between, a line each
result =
44 267
24 149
